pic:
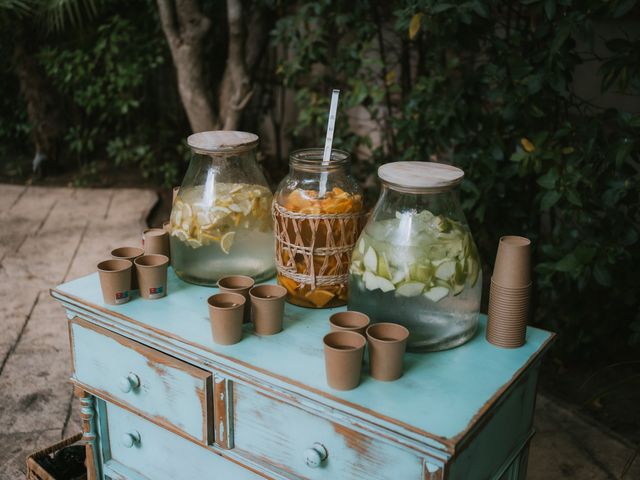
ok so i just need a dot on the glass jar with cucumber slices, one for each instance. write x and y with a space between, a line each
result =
415 262
221 218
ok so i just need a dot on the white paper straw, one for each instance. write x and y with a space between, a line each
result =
326 156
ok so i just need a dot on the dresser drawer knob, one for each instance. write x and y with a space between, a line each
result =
315 455
130 382
130 439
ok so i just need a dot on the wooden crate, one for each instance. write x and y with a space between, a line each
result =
35 471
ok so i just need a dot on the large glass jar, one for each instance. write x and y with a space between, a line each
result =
221 217
416 263
318 218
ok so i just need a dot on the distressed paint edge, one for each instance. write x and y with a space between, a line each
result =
480 417
89 433
202 391
223 412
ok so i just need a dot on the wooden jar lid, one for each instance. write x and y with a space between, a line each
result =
222 141
420 176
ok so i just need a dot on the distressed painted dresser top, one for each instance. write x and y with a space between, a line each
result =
438 400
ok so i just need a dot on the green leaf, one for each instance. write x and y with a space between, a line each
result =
622 152
617 45
534 83
568 263
602 275
442 7
549 199
480 8
550 9
549 179
623 7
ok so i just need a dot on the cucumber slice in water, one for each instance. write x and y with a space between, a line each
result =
410 289
446 270
374 282
371 260
383 267
435 294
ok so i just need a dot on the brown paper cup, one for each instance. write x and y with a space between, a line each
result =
129 253
115 281
512 268
343 353
349 321
387 343
506 326
267 308
175 194
156 241
152 275
226 311
240 284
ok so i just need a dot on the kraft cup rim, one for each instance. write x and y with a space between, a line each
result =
240 298
124 267
518 288
252 282
364 316
127 257
355 335
404 329
160 231
280 288
515 241
164 260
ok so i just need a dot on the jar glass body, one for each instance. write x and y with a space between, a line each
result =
318 218
416 264
221 219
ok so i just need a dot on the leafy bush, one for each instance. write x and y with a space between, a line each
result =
107 77
490 86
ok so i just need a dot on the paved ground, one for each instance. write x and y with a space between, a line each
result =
50 235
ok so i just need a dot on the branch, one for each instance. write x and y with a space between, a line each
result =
167 20
193 23
238 86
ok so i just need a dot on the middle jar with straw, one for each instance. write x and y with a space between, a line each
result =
318 216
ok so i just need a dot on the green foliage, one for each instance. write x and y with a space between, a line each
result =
490 86
106 76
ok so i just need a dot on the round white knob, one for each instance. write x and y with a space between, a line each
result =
315 455
130 439
130 382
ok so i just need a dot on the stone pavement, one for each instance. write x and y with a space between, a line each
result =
51 235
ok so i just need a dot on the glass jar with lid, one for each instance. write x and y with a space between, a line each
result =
318 217
221 217
416 262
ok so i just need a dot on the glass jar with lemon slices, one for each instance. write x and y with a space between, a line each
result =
318 215
221 218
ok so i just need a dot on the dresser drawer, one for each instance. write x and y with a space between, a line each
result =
279 434
166 390
149 451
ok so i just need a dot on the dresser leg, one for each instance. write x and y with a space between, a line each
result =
90 436
518 469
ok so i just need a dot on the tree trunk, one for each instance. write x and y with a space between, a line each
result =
235 89
185 28
43 106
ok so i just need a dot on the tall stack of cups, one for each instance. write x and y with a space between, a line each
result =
510 293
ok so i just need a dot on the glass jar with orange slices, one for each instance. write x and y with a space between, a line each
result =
318 214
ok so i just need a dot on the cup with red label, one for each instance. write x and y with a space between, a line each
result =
152 275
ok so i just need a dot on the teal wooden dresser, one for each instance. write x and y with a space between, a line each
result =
161 401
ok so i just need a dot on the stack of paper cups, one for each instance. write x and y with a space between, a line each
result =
510 293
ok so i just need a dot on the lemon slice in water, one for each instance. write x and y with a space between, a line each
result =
226 241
